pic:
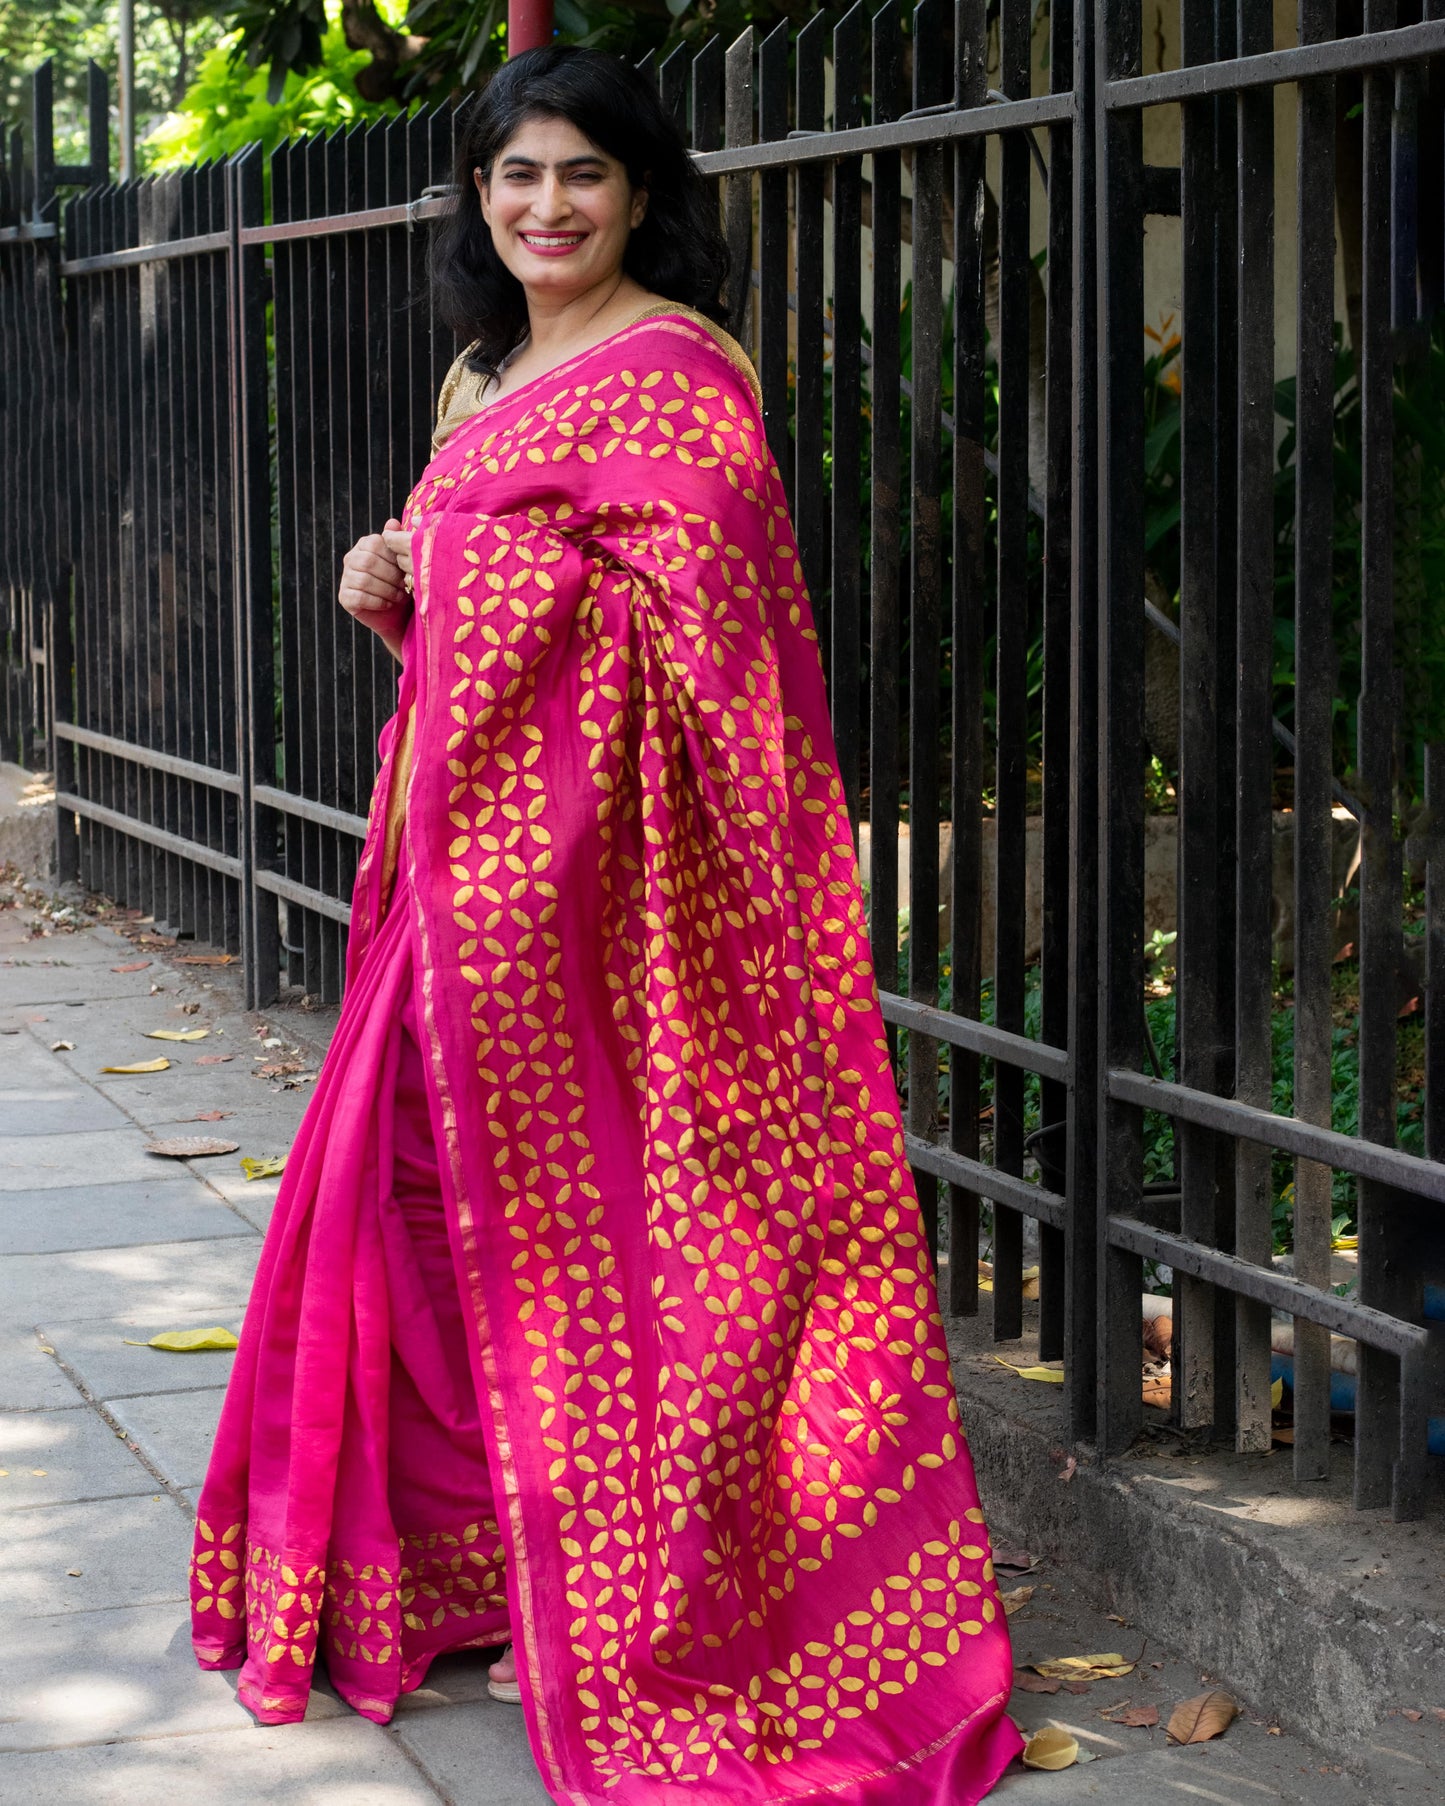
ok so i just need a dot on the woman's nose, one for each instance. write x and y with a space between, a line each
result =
552 202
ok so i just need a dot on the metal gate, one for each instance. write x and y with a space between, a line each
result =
945 230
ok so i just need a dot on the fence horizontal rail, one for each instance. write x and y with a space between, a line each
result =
160 838
978 1037
162 252
1280 1291
302 895
26 234
1247 1122
306 808
150 757
986 1181
1236 75
929 126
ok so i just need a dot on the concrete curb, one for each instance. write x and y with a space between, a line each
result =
1324 1617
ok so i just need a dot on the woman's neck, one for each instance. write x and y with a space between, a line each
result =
558 329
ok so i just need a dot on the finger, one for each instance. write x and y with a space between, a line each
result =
372 583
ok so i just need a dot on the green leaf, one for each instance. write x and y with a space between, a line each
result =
188 1341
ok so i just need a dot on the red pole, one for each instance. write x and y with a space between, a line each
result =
529 25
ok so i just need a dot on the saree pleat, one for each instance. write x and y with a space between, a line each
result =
599 1247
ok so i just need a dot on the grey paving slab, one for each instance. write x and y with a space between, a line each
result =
175 1429
49 1457
94 1677
131 1551
1212 1772
30 1379
173 1205
40 1096
36 986
100 1157
477 1754
156 1280
107 1362
341 1762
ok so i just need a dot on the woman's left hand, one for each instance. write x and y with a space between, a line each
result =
398 543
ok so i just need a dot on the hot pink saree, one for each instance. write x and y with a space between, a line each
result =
716 1484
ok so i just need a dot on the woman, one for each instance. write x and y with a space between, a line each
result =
596 1311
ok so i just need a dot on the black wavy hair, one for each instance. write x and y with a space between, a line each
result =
677 252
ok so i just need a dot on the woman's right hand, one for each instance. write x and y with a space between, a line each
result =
373 589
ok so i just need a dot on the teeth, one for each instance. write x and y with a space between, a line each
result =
537 238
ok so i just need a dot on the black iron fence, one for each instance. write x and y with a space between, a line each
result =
945 236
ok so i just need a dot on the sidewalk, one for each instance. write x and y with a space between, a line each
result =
104 1444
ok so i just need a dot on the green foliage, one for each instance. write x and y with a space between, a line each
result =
227 108
171 35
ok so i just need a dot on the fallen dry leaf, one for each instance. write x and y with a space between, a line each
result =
1114 1618
136 965
1013 1561
1051 1748
207 1116
1158 1390
1068 1470
1197 1720
268 1168
1030 1278
1075 1686
75 1573
206 959
1016 1600
62 1047
187 1341
1410 1713
213 1059
1138 1718
1083 1668
278 1069
1056 1374
176 1034
190 1147
141 1066
1026 1681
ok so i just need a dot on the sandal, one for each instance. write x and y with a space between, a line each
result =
508 1692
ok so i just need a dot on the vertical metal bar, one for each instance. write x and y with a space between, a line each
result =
97 96
925 602
970 603
1226 436
1058 754
1011 662
672 85
773 253
1389 1279
1254 199
884 778
1314 686
844 637
1120 228
250 574
810 520
738 189
1196 953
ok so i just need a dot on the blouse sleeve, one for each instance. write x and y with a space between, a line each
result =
459 398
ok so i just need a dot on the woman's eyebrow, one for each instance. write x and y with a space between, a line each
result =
519 162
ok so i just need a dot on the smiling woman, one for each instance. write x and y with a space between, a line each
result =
596 1313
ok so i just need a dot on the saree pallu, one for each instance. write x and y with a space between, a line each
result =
726 1491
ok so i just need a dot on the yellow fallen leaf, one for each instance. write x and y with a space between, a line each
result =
141 1066
1083 1668
177 1034
1030 1277
1344 1243
1051 1748
1016 1600
1276 1393
268 1168
1054 1374
1197 1720
187 1341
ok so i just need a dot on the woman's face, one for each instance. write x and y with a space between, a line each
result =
561 210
